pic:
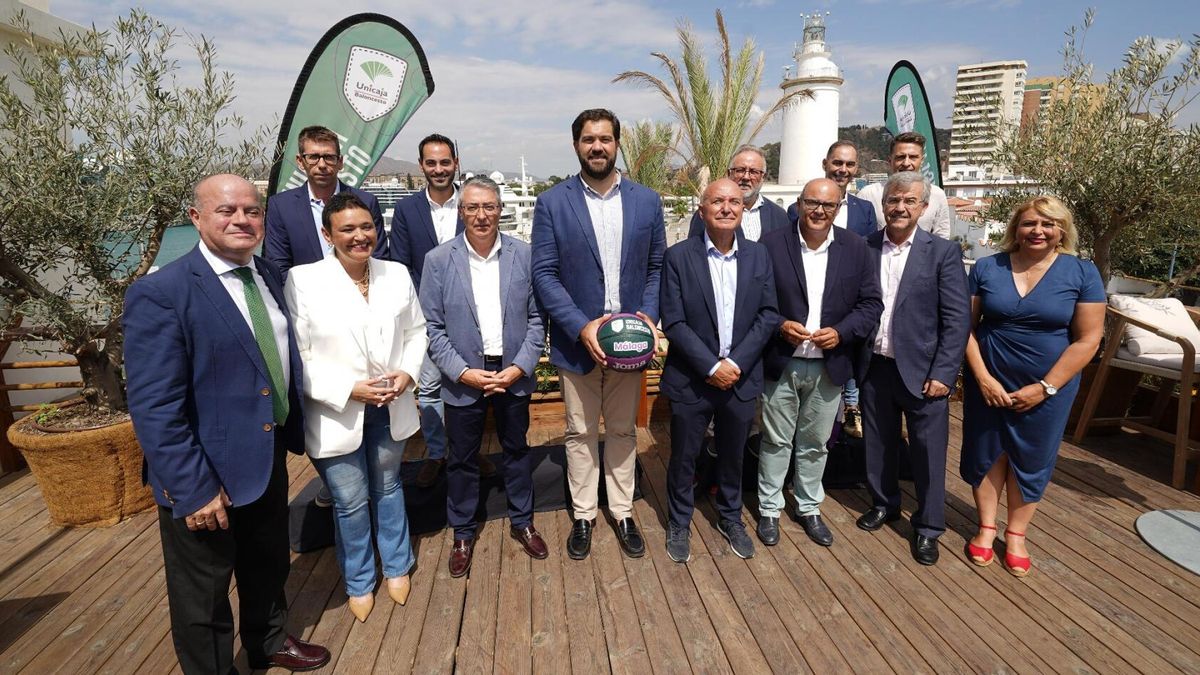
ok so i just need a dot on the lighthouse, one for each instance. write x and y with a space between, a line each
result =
810 123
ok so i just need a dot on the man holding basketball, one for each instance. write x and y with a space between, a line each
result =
719 312
598 242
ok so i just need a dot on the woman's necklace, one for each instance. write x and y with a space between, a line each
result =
364 284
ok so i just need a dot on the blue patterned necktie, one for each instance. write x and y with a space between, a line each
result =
264 335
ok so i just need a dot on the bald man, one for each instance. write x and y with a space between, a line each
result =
214 380
830 302
718 310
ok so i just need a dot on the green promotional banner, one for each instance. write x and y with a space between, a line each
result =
906 108
364 79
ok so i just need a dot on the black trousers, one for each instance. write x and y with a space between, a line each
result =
884 399
199 565
464 436
689 421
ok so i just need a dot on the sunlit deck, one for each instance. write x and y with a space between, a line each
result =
1098 600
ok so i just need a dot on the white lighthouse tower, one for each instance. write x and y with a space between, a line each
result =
810 123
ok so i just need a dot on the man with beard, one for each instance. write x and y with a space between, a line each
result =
598 242
828 293
293 229
420 222
914 362
907 152
748 168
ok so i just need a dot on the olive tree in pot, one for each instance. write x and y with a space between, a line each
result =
104 132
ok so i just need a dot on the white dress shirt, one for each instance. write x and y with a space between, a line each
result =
233 286
485 286
722 269
815 262
608 223
892 260
445 216
752 220
318 206
843 213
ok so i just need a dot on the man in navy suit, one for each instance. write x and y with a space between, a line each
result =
829 300
598 242
747 168
486 336
841 166
420 222
214 381
294 216
718 311
914 362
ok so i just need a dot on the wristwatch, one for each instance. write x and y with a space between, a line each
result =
1050 389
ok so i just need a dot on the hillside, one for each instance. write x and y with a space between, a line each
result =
872 145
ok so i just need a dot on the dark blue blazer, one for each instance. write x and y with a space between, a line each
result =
851 303
292 237
860 216
932 314
412 235
689 318
567 276
771 216
199 391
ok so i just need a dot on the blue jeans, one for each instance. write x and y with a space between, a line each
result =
433 415
367 494
850 392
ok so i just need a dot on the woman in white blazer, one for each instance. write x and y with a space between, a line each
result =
361 335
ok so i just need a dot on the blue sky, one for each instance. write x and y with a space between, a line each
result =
510 76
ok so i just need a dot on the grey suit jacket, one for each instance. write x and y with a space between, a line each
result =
455 340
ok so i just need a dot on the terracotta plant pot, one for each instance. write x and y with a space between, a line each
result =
90 478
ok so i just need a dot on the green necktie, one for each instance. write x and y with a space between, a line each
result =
264 335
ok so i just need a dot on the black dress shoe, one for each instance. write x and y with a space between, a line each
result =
295 655
875 518
768 530
579 543
925 549
816 530
631 539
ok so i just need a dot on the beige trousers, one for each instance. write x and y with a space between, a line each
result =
614 395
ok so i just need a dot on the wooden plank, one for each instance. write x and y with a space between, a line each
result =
589 654
514 609
736 637
549 647
477 641
622 627
133 651
443 619
20 511
398 649
20 578
361 649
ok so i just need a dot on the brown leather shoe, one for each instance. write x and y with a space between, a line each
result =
430 470
487 467
534 545
460 556
296 655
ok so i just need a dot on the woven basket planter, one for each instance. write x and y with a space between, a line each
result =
90 478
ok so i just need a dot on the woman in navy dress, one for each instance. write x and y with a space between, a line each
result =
1037 315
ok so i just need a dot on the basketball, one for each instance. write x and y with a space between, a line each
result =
627 341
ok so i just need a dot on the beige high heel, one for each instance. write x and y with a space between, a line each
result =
399 588
361 606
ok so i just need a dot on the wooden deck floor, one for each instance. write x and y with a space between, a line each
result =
1098 600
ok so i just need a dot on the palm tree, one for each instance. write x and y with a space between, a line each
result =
713 117
646 148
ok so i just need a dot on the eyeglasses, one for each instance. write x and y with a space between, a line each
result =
744 171
814 205
472 209
312 158
908 202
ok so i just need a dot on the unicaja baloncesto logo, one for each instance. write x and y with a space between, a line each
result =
373 82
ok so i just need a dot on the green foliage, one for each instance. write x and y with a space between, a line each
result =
103 142
713 117
646 149
1112 152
